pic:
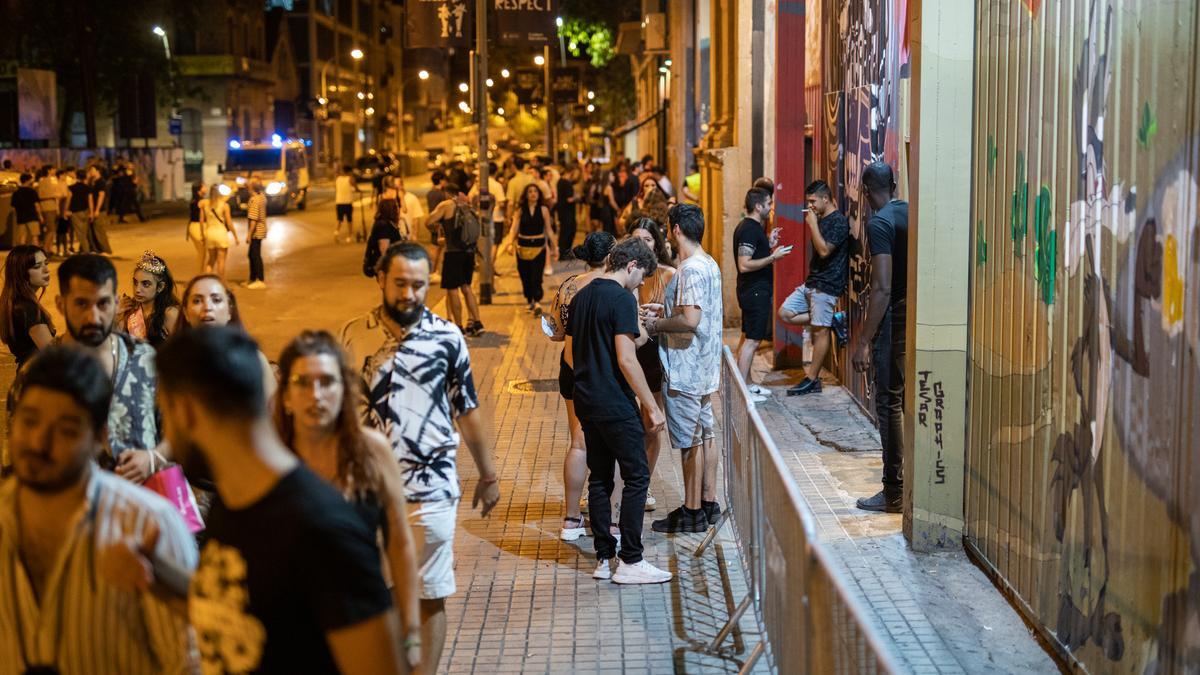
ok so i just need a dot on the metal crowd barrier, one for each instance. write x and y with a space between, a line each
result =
801 598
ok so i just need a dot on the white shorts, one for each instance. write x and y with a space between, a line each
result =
690 419
433 525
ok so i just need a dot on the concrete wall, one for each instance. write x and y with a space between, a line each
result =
1083 468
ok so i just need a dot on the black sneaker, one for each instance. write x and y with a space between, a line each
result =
712 511
841 328
473 329
806 386
881 502
682 519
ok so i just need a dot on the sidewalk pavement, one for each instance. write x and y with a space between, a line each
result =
526 601
938 612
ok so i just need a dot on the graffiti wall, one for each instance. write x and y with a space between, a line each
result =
863 57
1083 467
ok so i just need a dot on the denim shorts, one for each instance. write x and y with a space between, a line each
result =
805 300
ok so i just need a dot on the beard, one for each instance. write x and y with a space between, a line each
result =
65 478
404 317
90 334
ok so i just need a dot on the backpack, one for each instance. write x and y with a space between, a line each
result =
465 229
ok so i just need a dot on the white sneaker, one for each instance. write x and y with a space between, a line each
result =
758 398
758 390
572 533
603 569
640 573
651 502
256 285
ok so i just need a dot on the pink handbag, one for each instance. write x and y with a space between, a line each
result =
171 484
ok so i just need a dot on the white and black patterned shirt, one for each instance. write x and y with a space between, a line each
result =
416 387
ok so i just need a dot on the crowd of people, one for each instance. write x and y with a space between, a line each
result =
310 500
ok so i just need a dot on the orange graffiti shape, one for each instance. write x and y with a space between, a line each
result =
1033 6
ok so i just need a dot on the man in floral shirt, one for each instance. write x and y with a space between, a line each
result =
420 394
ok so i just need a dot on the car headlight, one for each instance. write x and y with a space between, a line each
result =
240 180
275 188
225 190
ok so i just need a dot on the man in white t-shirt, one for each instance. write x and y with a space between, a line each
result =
496 190
690 348
411 211
344 192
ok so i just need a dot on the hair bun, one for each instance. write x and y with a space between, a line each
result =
595 248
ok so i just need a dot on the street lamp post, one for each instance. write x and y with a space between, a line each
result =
401 141
359 123
158 30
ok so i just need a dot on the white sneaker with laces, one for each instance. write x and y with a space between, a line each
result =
640 572
603 569
651 502
572 533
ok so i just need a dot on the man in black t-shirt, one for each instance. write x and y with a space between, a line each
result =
887 236
289 579
752 247
27 208
814 304
602 335
458 261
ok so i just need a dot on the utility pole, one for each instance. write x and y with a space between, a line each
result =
479 88
548 101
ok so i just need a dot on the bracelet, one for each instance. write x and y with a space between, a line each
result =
489 481
412 641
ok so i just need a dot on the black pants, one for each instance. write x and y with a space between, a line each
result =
256 261
566 234
531 276
889 396
623 442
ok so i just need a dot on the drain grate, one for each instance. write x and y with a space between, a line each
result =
544 386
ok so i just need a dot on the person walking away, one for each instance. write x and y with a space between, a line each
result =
79 211
70 603
97 220
50 198
63 242
422 420
384 232
27 210
196 225
256 232
602 332
499 201
460 229
689 326
887 235
153 311
218 228
25 326
344 191
755 280
565 209
602 205
653 292
814 303
288 573
316 416
595 248
531 236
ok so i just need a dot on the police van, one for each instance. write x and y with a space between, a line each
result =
281 166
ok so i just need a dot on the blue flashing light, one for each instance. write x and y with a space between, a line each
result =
308 142
234 145
276 141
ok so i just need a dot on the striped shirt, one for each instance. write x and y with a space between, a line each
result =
256 216
82 623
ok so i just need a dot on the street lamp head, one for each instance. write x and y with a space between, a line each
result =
504 73
462 105
356 53
158 30
490 82
539 60
322 100
424 74
500 112
591 108
464 87
591 94
558 21
361 96
369 111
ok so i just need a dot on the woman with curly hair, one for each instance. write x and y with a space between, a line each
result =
153 311
317 418
25 325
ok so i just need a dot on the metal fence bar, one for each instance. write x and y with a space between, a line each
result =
813 620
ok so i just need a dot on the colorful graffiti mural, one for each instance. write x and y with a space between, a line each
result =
1084 439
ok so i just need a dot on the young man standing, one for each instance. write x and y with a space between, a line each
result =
435 196
69 605
690 347
602 333
289 580
390 345
458 263
98 232
814 303
256 232
887 235
752 247
50 198
344 191
27 209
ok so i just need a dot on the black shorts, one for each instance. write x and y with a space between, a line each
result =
458 269
345 212
756 313
566 379
648 358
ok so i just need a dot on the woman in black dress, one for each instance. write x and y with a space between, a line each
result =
530 233
25 325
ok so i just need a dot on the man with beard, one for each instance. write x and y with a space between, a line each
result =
88 301
419 385
69 603
289 580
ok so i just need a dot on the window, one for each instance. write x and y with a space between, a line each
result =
366 19
324 43
346 12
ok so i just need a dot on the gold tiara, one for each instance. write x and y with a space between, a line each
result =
151 263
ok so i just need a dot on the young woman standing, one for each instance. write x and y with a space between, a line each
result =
317 418
207 301
195 229
153 311
25 325
218 227
531 234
